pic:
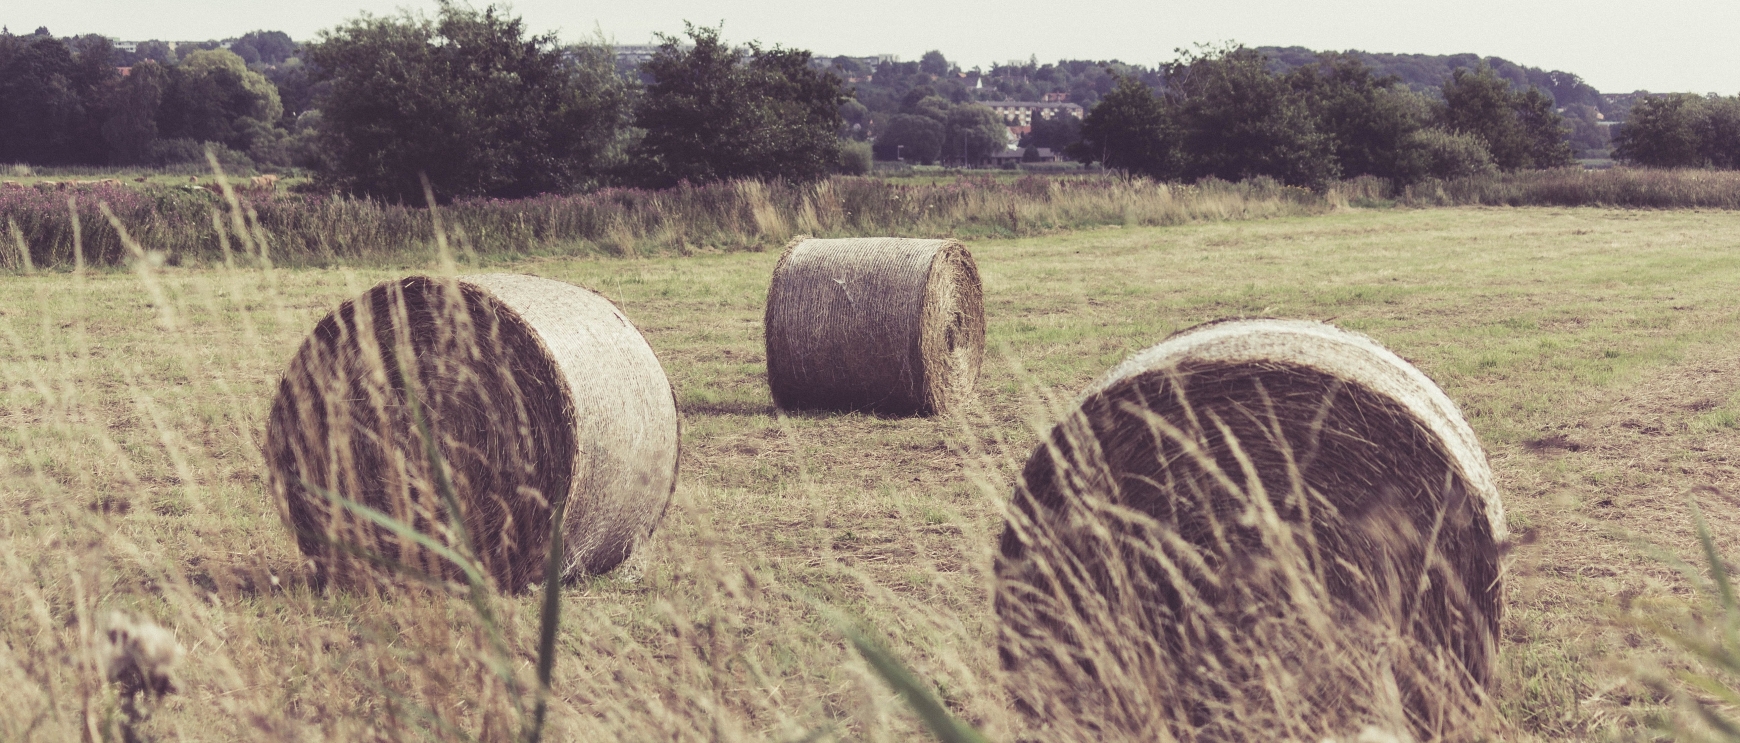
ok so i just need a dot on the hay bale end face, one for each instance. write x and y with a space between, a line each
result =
887 325
1251 506
537 392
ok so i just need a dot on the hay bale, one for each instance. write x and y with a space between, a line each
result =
1259 525
888 325
537 391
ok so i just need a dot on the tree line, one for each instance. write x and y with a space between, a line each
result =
1228 114
466 99
470 101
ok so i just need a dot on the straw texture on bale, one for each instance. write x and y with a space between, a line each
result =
537 392
1262 522
887 325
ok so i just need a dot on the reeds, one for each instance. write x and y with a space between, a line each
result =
1639 188
322 230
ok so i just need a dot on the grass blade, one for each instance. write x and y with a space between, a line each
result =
549 622
930 710
402 529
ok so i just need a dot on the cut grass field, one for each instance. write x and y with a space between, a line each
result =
1595 352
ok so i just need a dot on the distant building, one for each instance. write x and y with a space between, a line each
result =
634 55
1023 113
1056 98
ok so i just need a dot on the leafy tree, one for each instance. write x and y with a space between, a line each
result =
468 99
1663 131
972 133
216 98
712 113
1131 130
1720 137
1588 136
911 138
854 120
297 88
1520 128
1544 130
131 126
266 47
1370 119
1056 133
934 63
933 107
1240 121
51 99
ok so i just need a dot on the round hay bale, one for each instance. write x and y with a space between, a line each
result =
888 325
537 392
1260 528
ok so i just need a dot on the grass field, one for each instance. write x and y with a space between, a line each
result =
1595 352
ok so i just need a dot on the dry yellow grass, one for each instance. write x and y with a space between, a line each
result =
1597 354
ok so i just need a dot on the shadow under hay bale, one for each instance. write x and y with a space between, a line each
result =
536 391
887 325
1261 525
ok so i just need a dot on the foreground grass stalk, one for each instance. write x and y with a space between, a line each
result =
549 621
916 693
478 585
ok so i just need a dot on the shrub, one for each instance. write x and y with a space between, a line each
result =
855 158
1441 153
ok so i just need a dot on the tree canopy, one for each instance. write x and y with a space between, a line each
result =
713 112
1519 127
467 98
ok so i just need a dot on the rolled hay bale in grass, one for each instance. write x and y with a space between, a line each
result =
1261 528
881 324
536 393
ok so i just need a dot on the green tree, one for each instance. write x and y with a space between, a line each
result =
854 120
468 99
1663 131
1131 130
1058 132
712 113
1520 127
933 107
216 98
934 63
131 126
972 133
911 138
266 47
1240 121
1720 136
1370 120
51 99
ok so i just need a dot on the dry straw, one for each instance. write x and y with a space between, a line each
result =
1255 525
536 391
888 325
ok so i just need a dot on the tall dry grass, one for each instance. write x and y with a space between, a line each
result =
1640 188
296 229
303 229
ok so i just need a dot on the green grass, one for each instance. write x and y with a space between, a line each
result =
130 476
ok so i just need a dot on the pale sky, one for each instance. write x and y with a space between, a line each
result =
1616 45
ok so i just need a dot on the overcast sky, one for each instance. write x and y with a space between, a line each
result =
1617 46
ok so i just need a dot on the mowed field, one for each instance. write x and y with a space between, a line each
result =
1595 352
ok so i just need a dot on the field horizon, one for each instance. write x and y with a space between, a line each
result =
1595 352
